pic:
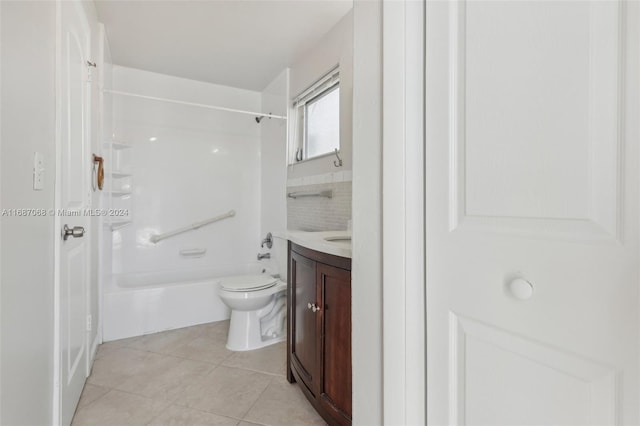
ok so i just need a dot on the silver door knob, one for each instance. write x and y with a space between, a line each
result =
75 232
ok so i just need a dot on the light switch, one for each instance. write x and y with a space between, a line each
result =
38 172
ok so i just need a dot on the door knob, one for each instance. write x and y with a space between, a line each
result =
521 288
75 232
314 308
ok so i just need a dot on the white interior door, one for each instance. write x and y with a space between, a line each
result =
532 212
72 198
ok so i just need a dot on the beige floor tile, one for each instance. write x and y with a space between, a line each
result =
164 342
91 393
183 416
203 348
148 379
271 359
168 378
115 367
283 403
226 391
107 348
218 329
118 408
125 343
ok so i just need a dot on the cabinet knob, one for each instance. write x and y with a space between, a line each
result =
314 308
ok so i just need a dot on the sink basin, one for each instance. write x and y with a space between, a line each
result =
337 243
339 239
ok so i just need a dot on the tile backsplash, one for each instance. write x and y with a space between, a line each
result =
320 213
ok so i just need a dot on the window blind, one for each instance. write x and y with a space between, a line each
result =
323 84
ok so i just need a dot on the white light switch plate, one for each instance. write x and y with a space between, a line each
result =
38 172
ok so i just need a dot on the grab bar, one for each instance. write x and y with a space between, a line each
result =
159 237
328 193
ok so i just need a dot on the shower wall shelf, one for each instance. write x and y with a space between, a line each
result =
117 145
119 182
118 175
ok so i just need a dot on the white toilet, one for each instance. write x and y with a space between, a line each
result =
258 306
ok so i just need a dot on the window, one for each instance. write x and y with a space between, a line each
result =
317 115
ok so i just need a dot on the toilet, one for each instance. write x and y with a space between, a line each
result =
258 306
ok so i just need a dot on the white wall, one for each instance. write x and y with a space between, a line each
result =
273 165
336 47
28 124
366 278
202 164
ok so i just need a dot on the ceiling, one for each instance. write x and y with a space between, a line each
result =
236 43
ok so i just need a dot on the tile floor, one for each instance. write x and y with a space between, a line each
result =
188 377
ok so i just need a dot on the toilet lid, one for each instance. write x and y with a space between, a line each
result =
248 282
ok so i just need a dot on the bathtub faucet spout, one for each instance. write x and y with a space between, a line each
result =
264 256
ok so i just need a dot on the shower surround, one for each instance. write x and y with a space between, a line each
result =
188 164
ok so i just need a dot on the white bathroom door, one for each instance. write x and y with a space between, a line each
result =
531 166
72 200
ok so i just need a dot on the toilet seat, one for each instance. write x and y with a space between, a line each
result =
243 283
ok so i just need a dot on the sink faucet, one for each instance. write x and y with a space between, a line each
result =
264 256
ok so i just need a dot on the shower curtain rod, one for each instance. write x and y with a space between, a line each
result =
174 101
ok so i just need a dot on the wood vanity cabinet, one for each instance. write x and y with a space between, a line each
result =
319 331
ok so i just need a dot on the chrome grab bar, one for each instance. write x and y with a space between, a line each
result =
159 237
327 193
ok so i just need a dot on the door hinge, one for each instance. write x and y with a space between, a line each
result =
89 73
88 322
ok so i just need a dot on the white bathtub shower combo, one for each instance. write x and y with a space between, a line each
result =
176 163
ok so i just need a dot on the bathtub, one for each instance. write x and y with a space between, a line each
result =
144 303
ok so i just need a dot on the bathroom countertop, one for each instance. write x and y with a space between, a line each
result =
316 241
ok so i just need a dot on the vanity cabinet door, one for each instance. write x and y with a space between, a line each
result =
334 285
304 325
319 333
